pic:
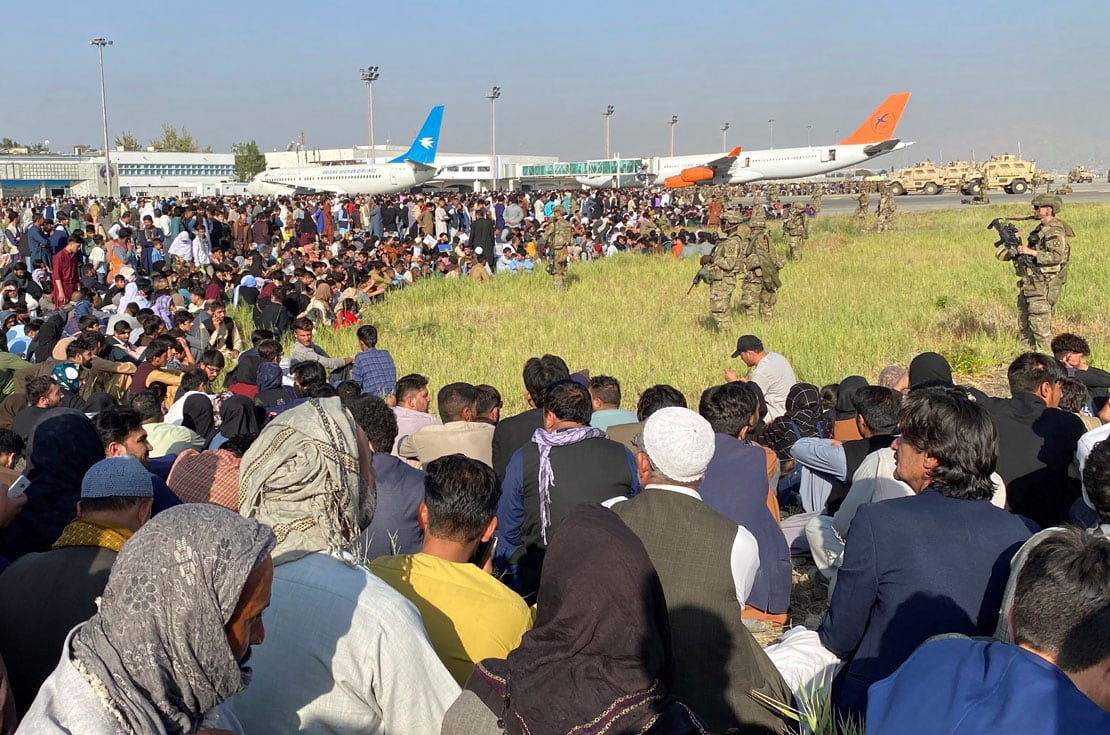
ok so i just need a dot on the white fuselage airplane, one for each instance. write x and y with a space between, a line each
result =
872 138
413 168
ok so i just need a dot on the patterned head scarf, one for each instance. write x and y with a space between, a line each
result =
301 477
158 646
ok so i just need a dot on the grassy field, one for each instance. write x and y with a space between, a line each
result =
857 301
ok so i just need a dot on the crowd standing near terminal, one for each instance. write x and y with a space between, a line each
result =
431 565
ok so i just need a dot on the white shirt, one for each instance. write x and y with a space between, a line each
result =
744 558
775 377
344 653
1083 449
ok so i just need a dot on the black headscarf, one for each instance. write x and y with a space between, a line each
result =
580 658
846 397
929 369
64 445
246 371
238 417
197 414
42 346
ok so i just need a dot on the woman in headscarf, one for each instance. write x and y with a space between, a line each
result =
64 445
802 418
42 346
319 308
181 610
163 308
197 414
844 428
582 669
928 370
243 380
238 417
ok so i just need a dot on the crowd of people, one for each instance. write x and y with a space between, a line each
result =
206 531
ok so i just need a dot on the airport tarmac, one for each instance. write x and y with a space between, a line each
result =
1097 192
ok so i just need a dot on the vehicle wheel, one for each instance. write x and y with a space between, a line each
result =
1017 186
897 189
973 188
931 189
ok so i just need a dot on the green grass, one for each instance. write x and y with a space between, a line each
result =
858 301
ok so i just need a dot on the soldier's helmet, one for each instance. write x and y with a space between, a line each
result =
730 217
559 208
1049 200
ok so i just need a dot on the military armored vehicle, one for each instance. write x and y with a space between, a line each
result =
1080 175
1007 172
929 178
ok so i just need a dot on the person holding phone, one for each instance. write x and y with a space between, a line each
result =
468 613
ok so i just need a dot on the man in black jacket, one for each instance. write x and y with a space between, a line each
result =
481 236
1036 440
516 431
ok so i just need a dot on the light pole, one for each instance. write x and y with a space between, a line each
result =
100 43
492 96
672 123
724 137
771 122
607 114
809 141
370 75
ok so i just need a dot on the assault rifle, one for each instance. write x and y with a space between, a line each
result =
702 276
1008 238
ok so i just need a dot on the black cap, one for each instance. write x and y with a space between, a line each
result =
748 342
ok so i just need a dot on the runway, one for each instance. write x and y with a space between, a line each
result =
1097 192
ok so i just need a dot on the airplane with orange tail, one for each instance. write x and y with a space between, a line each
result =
873 138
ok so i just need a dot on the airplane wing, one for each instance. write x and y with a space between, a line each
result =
711 172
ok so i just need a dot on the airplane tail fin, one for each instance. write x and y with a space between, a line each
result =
423 148
881 124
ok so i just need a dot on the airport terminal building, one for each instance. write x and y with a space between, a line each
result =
147 173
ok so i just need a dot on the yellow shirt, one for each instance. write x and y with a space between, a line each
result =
469 615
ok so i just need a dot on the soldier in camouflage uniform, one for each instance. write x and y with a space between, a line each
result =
559 235
1043 274
796 228
885 210
722 266
863 201
761 282
818 192
759 213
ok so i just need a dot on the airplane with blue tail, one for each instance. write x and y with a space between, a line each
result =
412 168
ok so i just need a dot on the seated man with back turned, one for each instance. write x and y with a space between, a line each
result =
459 433
929 564
43 596
736 486
1056 679
469 614
707 565
1036 440
395 528
514 432
567 462
605 394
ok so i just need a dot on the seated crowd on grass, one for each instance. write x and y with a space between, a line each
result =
214 528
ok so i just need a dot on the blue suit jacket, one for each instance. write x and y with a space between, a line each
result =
913 568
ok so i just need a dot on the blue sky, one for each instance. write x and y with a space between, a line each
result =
985 76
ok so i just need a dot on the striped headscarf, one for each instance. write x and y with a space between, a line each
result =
301 477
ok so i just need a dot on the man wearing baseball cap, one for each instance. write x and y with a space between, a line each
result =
770 371
707 565
43 596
